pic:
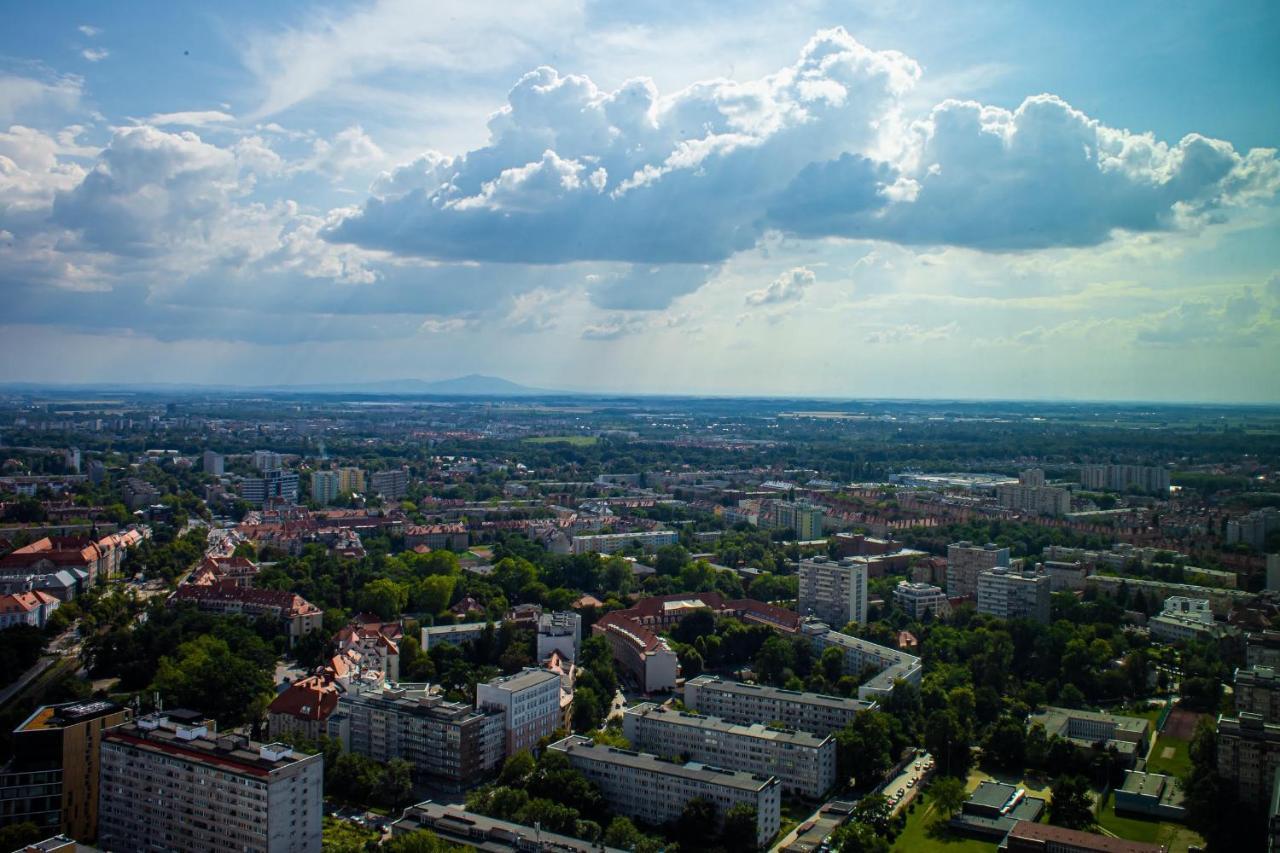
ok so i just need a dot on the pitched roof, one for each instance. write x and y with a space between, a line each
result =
310 698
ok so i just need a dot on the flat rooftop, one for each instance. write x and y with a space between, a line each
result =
651 711
49 717
577 745
194 743
711 682
486 834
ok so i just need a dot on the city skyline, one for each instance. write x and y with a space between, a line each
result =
901 201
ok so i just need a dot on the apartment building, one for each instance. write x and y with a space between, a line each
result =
463 632
350 480
1257 691
438 537
804 519
891 665
52 779
325 486
267 460
301 616
737 702
834 591
456 825
1262 648
1040 500
31 607
529 702
169 783
965 561
1249 756
1121 478
655 791
446 742
303 708
1007 594
213 463
607 543
645 655
1185 619
561 632
918 599
1221 601
805 763
1254 528
392 485
274 486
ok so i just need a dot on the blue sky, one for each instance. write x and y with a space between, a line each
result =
873 199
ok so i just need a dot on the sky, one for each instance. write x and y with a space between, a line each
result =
875 199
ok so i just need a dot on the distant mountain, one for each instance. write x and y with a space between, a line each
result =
472 385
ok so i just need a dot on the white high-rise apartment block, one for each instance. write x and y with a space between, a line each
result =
530 703
168 783
834 591
1119 478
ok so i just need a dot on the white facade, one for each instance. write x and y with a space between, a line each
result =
560 631
917 599
833 591
803 762
607 543
530 703
738 702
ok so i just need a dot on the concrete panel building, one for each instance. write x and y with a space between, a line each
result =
324 487
644 786
446 742
737 702
607 543
456 825
530 705
1257 691
1007 594
834 591
965 561
169 783
805 763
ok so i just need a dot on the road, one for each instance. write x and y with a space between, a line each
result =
37 669
917 771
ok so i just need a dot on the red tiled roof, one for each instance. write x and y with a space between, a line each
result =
310 698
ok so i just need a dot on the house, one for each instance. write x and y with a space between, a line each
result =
26 608
303 708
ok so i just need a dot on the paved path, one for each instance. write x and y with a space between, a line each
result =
37 669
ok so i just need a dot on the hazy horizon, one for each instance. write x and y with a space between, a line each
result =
905 201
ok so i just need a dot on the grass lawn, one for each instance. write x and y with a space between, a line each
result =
924 833
1173 835
1177 763
575 440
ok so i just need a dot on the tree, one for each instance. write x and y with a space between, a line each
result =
205 674
696 827
775 660
1006 744
872 810
1070 804
948 738
864 747
948 796
419 841
739 831
384 597
858 838
396 784
622 834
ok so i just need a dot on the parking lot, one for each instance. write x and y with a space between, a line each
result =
903 788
